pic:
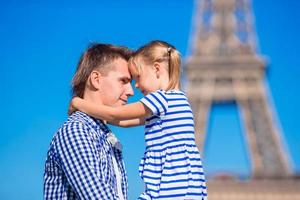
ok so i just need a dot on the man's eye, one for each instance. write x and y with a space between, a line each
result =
124 81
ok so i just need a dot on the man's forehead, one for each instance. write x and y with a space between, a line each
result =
120 67
118 64
115 65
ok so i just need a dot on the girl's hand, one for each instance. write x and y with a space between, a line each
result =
72 107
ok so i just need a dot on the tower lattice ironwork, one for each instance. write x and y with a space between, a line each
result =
224 65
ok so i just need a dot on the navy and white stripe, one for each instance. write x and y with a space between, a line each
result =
79 162
171 167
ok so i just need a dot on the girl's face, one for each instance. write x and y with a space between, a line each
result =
146 79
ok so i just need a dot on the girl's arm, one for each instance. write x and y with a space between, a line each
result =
129 123
126 112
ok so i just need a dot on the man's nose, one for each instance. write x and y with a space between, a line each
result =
129 90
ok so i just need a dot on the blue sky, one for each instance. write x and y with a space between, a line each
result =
41 43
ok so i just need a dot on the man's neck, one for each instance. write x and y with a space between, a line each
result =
92 97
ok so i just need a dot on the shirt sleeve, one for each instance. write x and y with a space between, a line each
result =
156 102
80 161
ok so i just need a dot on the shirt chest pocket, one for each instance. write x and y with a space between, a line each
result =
105 164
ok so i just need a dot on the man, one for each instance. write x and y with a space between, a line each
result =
84 160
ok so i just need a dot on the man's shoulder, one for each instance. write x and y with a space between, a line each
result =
73 125
83 121
77 120
80 125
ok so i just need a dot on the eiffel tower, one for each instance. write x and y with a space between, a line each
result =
224 66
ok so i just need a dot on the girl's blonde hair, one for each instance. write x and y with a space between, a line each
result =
160 51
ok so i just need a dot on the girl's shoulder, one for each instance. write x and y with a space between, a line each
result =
173 92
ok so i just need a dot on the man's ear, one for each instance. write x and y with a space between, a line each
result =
95 79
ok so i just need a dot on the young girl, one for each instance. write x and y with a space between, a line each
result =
171 167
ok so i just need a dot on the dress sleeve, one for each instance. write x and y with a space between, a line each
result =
156 102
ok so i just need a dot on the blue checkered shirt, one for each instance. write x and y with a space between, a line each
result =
79 162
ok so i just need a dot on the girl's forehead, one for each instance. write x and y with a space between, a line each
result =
133 68
136 65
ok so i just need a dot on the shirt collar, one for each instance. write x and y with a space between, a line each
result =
93 122
97 124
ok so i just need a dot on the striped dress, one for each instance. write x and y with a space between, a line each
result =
171 167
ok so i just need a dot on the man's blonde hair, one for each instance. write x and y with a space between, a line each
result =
97 56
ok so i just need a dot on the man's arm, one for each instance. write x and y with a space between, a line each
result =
81 163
